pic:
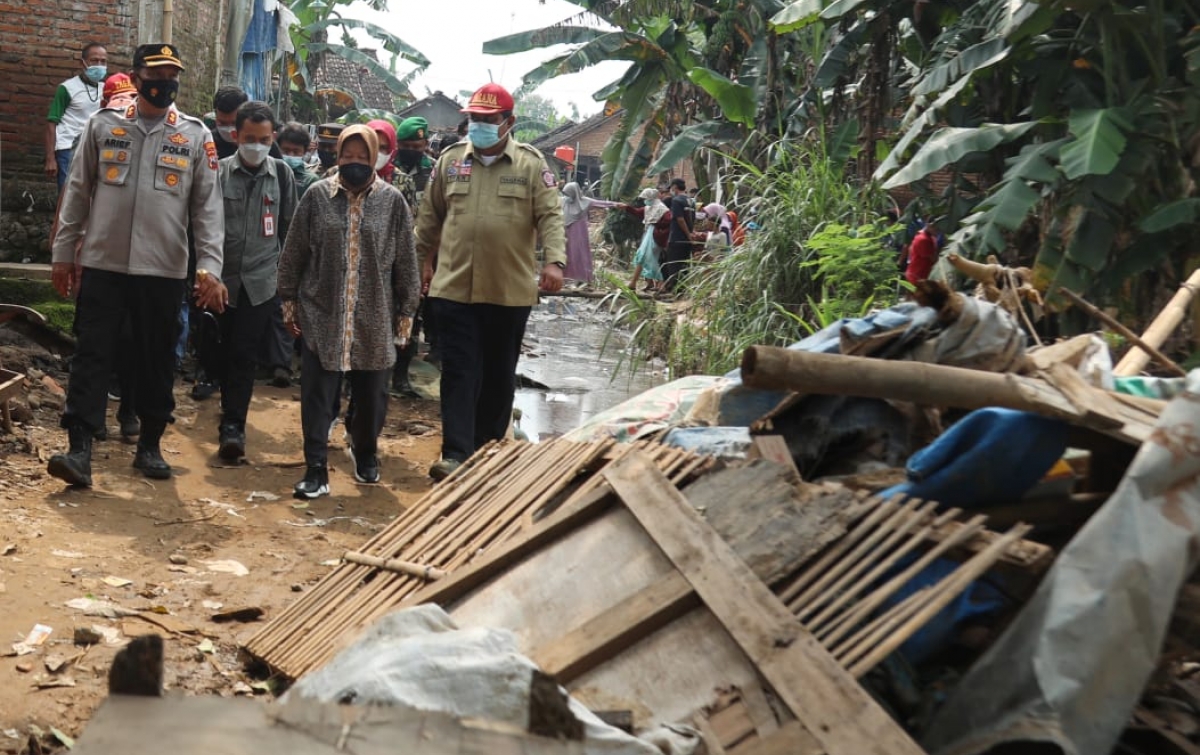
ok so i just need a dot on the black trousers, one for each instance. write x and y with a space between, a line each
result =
678 255
106 299
319 389
480 346
277 345
242 330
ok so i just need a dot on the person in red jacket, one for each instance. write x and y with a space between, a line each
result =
923 252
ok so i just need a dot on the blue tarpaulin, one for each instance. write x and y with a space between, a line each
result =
257 48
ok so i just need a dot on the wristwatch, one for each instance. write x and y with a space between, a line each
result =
561 265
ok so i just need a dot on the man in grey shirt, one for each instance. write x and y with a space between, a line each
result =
140 175
260 197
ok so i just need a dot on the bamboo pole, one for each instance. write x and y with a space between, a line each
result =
1123 331
420 571
919 382
1162 327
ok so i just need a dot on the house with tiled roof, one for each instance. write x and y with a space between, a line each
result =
440 111
336 73
588 139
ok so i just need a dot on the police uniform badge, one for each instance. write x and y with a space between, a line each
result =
210 149
452 171
549 179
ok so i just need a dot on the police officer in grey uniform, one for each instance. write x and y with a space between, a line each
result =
141 174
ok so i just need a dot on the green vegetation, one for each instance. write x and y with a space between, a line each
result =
40 296
821 254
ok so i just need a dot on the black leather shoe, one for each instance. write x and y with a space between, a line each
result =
231 442
151 462
281 378
403 389
314 485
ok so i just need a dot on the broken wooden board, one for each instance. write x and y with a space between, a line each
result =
206 725
835 710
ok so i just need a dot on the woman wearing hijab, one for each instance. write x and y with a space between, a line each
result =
716 213
386 134
656 223
575 221
349 283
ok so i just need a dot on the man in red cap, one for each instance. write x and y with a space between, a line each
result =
490 198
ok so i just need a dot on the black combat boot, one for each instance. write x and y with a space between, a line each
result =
75 466
231 441
148 457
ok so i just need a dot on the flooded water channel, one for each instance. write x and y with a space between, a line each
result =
563 344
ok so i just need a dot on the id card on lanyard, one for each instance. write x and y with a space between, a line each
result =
268 218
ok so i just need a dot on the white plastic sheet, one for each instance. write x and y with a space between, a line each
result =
1072 666
418 657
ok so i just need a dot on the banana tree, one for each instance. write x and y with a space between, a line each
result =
311 39
702 74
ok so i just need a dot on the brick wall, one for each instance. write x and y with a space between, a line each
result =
593 142
40 42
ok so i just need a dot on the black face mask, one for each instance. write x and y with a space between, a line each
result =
159 92
356 175
328 158
408 158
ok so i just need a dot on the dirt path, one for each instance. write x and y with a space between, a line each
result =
59 545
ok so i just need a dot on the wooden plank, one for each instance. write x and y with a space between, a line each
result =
26 270
567 518
732 724
831 705
614 630
791 739
762 517
774 448
761 712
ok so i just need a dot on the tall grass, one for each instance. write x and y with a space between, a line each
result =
772 289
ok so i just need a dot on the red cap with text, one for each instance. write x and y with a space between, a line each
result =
489 98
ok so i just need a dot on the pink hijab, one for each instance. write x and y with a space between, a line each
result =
387 145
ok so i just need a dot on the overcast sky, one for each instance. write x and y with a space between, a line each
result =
451 34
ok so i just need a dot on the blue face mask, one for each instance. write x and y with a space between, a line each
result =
483 135
296 163
96 73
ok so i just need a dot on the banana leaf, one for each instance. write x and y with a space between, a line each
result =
1171 215
949 145
1099 142
538 38
975 58
798 15
391 42
688 140
610 46
737 101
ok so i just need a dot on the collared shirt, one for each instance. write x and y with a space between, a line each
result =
348 269
258 210
135 187
483 222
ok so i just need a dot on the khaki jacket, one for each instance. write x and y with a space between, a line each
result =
131 195
484 223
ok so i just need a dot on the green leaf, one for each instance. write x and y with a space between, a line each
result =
949 145
691 138
835 66
970 61
844 143
1173 214
538 38
736 100
1099 142
391 42
840 8
797 16
610 46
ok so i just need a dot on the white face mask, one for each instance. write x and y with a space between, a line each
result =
226 132
253 154
383 159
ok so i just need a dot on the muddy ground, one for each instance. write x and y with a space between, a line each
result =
151 546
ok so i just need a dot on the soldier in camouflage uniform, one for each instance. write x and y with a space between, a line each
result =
411 176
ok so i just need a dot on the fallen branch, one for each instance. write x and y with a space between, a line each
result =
1123 331
204 518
